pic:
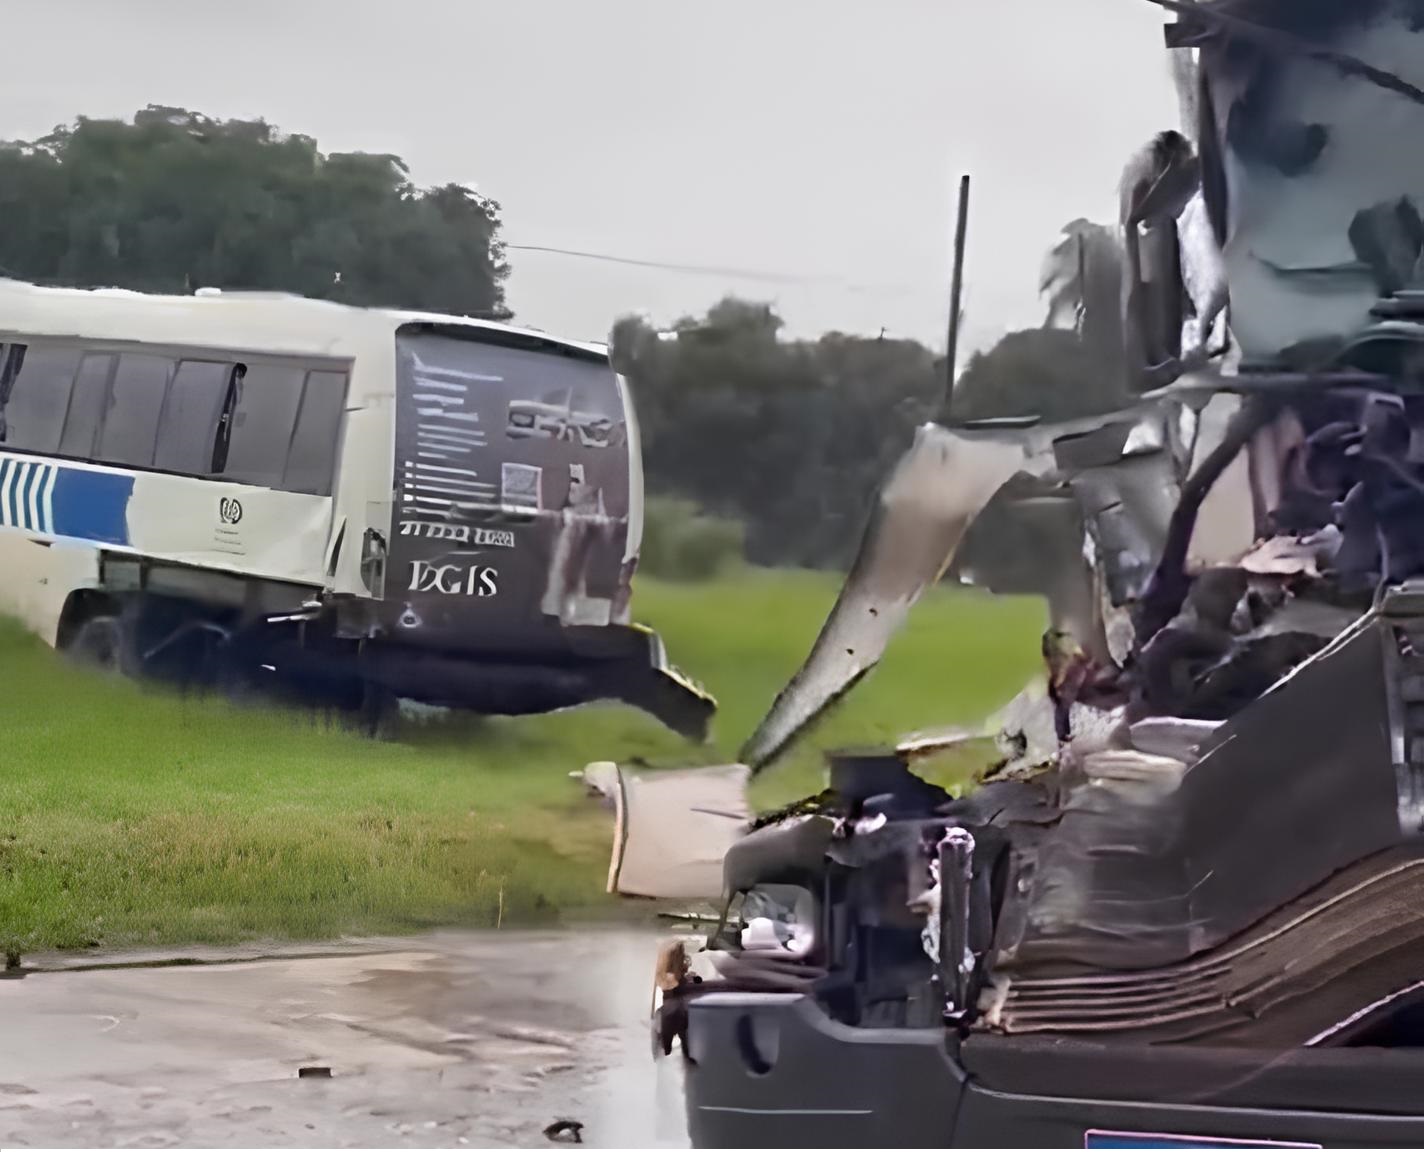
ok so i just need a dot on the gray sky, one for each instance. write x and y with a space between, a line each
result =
815 139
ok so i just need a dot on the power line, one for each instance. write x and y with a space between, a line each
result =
715 270
693 269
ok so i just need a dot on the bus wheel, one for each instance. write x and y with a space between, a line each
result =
378 712
229 674
99 643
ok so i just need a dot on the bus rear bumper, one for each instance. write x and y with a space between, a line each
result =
626 664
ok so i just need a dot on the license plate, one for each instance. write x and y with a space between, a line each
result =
1096 1138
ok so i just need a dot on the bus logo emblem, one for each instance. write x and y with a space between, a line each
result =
229 510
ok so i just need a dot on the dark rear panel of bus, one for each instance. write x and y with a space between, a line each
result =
512 489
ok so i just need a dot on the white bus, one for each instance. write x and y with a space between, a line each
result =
369 503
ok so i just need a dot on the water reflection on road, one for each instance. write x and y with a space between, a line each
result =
447 1040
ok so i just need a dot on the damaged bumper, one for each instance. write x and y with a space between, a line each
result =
615 662
769 1070
773 1070
1007 971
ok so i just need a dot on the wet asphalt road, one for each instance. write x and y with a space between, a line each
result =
447 1040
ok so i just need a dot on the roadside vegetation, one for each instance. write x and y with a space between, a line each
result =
130 816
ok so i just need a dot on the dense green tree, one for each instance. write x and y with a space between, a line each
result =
1074 365
789 436
793 437
174 200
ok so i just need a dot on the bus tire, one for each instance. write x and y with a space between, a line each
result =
378 712
99 642
229 674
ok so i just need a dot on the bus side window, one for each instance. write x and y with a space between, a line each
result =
39 397
263 424
188 425
130 426
312 460
86 405
11 357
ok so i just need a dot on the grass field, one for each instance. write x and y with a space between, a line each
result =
133 817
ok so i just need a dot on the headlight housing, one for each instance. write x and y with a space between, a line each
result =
779 919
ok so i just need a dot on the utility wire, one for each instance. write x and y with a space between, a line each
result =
714 270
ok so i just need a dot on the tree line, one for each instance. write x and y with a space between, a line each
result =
790 438
172 200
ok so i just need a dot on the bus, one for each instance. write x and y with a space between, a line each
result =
369 504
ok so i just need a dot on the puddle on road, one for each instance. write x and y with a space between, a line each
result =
480 1038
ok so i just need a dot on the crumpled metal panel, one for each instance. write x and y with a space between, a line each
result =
1127 507
1304 150
1285 794
939 486
1226 523
1029 541
1315 971
674 828
924 525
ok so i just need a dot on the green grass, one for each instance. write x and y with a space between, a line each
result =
133 817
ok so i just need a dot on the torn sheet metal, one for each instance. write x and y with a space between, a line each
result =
939 486
1305 149
1042 535
1127 505
1292 555
1311 971
1203 277
1152 862
916 745
1226 524
1032 539
1025 731
673 828
1172 736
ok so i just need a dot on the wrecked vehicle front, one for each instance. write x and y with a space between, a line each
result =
1186 900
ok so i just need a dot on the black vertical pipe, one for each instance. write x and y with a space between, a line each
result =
955 291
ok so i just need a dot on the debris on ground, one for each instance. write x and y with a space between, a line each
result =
671 826
565 1132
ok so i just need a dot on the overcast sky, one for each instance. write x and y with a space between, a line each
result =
817 142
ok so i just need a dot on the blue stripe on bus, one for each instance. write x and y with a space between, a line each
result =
92 505
24 496
22 485
53 500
